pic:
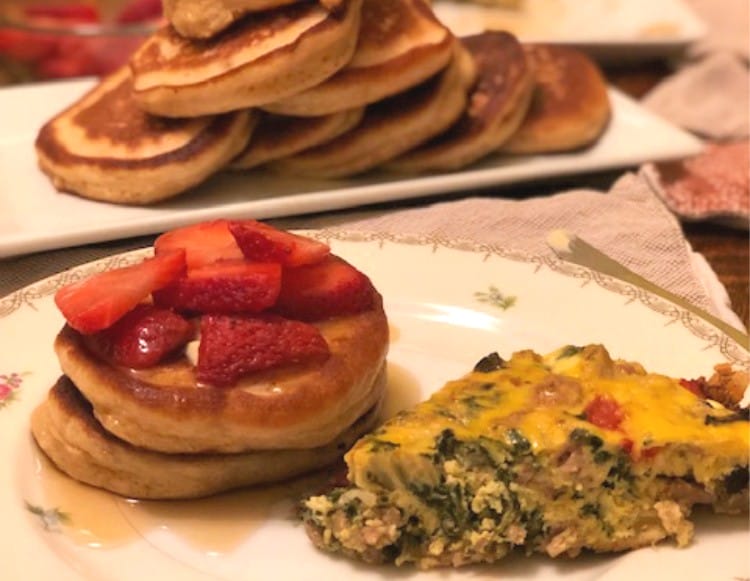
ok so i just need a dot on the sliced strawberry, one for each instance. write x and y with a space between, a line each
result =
330 288
139 11
25 46
97 302
264 243
72 57
143 337
203 243
229 286
71 13
235 345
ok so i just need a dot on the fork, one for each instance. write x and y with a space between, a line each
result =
573 249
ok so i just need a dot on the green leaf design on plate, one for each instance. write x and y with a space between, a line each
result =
493 296
51 518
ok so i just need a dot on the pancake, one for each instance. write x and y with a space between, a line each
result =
401 44
497 106
278 136
65 428
205 18
390 127
259 59
164 408
105 148
570 108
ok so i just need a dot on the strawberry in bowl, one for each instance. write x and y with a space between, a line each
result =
41 40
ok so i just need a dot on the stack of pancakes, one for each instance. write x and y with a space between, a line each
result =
326 89
157 432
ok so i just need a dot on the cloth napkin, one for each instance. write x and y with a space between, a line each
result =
709 95
710 89
630 223
713 185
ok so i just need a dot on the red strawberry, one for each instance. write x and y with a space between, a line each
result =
143 337
235 345
330 288
73 13
27 47
72 57
229 286
203 243
263 243
139 11
97 302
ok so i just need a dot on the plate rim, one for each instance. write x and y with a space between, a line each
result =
697 29
700 328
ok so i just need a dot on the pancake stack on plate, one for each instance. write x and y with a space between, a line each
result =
328 88
202 369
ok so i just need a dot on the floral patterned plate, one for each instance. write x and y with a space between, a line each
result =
449 304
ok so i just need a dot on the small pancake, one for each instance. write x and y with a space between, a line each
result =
401 44
570 108
259 59
66 430
390 127
105 148
205 18
164 408
497 106
278 136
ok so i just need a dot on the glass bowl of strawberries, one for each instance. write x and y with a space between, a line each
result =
58 39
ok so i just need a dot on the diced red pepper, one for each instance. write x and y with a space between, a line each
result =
604 412
651 452
694 386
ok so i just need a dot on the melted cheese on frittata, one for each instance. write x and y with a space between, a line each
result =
546 398
557 453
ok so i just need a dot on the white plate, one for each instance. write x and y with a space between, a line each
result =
35 217
440 328
608 29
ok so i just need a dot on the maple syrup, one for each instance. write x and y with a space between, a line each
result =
99 519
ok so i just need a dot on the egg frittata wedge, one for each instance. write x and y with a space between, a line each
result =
556 454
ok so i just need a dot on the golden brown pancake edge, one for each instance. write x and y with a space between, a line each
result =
241 67
570 108
66 430
164 409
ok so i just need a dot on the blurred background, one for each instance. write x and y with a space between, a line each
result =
53 39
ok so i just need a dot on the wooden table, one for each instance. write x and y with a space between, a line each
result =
727 252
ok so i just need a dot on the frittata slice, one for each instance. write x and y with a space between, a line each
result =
556 454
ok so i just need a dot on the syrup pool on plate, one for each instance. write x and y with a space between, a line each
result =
215 525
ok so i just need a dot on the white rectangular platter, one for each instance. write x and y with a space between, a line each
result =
35 217
607 29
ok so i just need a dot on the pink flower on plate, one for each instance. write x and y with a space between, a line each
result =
9 385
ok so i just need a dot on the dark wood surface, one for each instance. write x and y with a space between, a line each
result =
727 252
